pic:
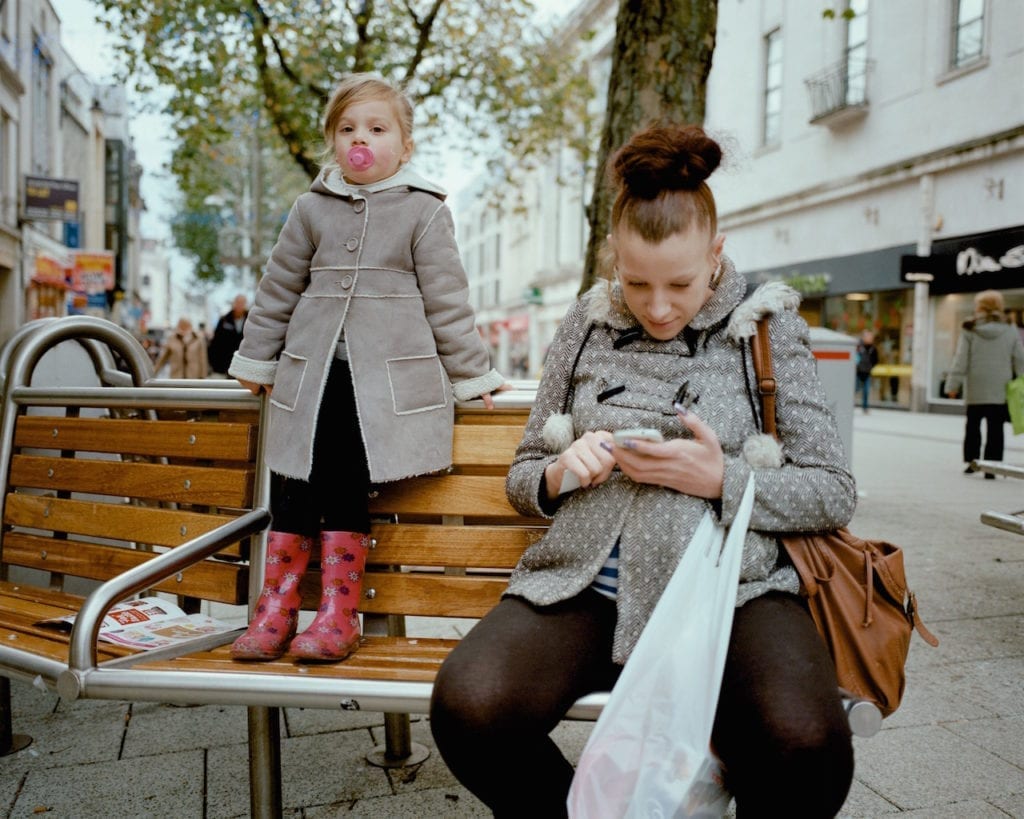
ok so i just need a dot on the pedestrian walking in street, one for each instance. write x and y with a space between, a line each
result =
867 359
361 333
989 354
184 352
227 335
665 343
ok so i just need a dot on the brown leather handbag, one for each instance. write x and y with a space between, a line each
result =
856 589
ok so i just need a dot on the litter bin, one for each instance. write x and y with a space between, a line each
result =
836 355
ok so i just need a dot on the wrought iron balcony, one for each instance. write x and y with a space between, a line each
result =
839 93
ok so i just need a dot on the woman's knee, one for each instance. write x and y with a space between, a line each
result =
812 757
467 701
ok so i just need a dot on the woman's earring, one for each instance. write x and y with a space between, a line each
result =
716 277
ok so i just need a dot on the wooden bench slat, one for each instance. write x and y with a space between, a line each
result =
482 496
208 486
389 658
430 595
217 580
437 545
182 439
500 416
34 594
483 445
159 527
50 649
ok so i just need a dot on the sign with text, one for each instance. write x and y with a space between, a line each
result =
92 271
47 198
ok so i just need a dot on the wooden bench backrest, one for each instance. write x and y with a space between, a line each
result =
446 543
91 497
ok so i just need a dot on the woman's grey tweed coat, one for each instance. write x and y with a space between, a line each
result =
380 262
807 486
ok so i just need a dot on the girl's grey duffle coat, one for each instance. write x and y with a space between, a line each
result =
622 378
376 267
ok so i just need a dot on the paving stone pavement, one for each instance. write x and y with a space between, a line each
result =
954 749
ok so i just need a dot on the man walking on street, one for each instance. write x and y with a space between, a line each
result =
227 336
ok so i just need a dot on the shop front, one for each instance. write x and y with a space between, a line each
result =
876 291
851 294
956 270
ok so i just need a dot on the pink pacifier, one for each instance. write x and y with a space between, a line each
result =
360 157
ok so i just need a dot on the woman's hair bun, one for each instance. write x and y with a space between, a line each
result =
665 158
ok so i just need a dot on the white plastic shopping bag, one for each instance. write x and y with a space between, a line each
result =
649 754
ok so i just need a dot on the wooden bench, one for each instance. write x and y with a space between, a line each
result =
180 510
166 492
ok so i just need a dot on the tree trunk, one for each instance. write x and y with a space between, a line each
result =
661 59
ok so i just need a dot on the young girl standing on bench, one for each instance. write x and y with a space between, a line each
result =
361 334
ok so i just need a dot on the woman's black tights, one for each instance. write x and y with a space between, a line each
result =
780 729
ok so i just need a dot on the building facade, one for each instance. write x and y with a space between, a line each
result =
69 202
862 140
875 161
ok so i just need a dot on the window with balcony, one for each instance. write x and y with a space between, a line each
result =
839 93
772 122
968 32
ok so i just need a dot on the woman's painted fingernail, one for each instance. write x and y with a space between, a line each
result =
606 446
680 408
629 443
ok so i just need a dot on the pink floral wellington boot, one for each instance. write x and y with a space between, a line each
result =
277 612
334 633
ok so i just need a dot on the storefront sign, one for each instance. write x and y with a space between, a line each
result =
92 271
47 198
972 263
48 270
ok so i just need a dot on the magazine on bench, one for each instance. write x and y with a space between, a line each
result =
149 622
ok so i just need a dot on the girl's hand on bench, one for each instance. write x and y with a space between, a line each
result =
255 388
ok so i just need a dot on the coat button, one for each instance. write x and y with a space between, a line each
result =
359 206
346 282
352 243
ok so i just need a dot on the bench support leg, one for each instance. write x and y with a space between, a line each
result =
398 750
264 762
10 742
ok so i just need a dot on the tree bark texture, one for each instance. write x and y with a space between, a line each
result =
661 59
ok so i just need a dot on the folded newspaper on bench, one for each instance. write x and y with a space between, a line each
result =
149 622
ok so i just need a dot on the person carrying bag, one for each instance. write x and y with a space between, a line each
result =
641 430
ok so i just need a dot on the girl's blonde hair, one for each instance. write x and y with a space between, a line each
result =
360 87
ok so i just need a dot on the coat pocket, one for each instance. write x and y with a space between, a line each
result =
417 384
291 370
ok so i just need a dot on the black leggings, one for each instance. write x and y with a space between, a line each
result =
334 499
780 729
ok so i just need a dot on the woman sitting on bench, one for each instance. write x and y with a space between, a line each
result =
663 344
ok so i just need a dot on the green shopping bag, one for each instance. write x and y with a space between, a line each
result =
1015 402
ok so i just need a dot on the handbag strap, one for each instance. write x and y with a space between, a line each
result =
764 374
761 352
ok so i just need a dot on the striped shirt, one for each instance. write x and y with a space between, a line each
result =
607 580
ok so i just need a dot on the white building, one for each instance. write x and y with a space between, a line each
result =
857 142
68 184
851 143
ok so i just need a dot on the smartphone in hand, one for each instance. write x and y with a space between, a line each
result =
637 434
